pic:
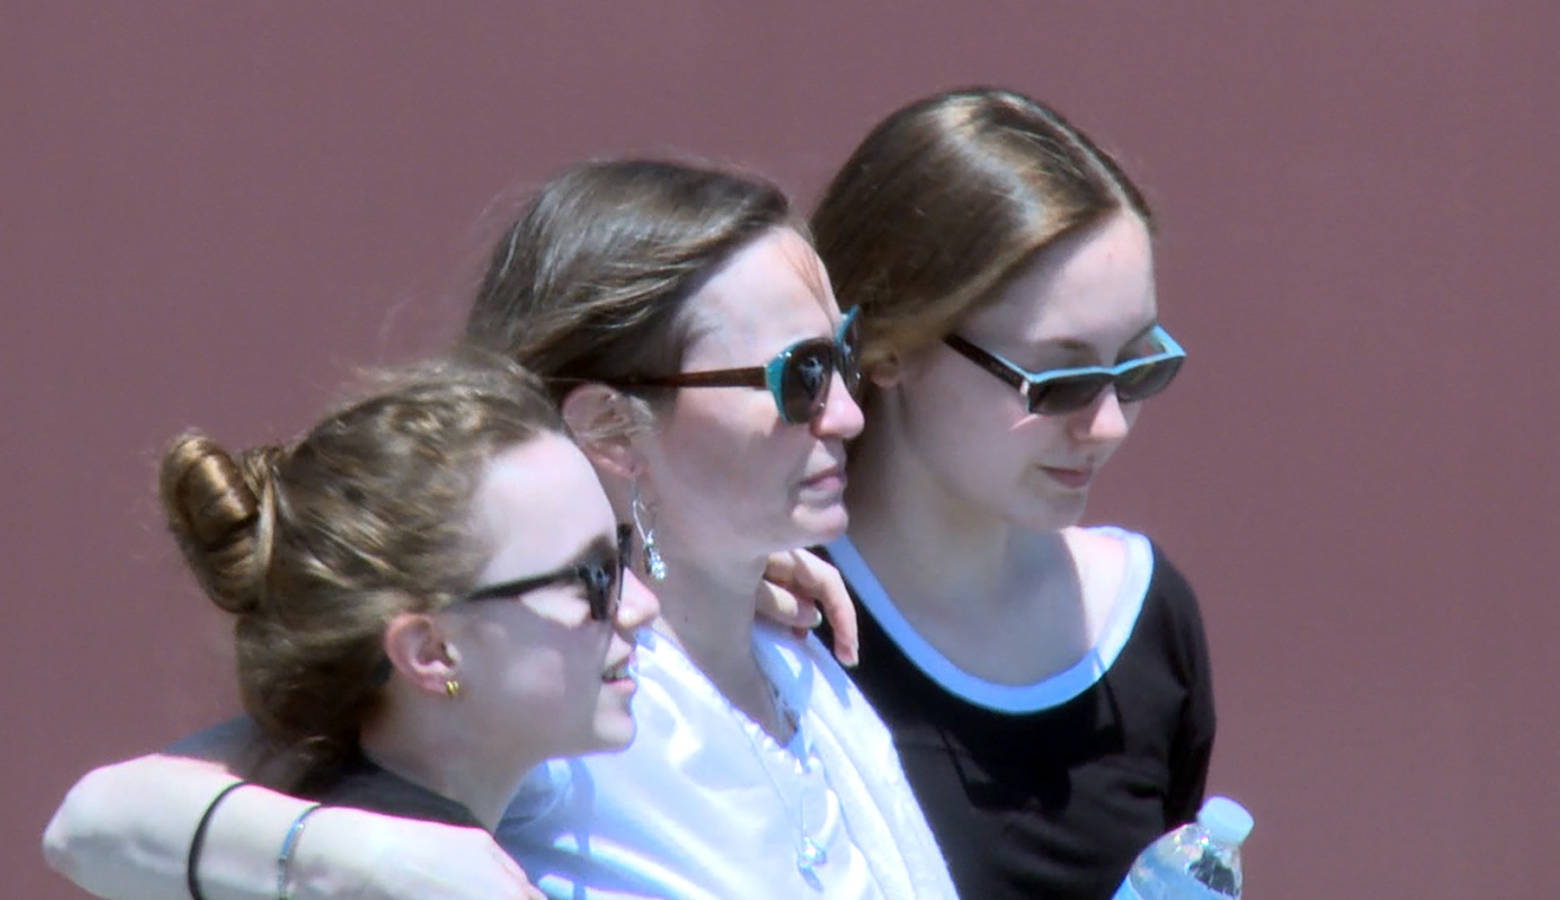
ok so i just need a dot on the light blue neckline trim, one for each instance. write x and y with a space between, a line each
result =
1008 698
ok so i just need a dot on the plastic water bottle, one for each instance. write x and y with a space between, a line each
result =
1198 861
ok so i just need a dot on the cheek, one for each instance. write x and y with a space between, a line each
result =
727 444
551 668
957 413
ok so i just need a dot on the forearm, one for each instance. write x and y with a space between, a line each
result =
124 831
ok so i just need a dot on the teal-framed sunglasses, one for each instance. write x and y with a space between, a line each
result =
1055 392
798 377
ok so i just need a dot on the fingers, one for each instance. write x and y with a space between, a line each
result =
779 600
779 605
803 587
823 584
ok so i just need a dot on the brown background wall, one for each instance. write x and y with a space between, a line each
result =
210 213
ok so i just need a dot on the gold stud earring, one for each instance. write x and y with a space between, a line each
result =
452 688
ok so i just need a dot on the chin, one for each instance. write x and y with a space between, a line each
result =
819 525
615 734
1049 513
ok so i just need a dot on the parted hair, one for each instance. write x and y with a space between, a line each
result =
586 285
945 199
314 545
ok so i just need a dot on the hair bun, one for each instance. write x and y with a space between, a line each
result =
221 512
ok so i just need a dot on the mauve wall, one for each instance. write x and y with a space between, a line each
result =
212 212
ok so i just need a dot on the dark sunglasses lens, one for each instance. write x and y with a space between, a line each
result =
604 581
598 588
1065 395
804 381
625 563
1145 381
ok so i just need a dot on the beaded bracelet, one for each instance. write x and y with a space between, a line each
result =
284 858
200 838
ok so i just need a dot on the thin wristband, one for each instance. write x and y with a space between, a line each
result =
284 858
200 839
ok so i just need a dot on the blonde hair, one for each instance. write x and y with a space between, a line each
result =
945 199
316 544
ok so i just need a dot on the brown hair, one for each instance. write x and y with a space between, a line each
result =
587 284
945 199
317 544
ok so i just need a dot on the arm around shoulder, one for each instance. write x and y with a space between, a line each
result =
124 832
124 829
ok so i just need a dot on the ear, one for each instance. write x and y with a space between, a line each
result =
603 424
886 372
415 644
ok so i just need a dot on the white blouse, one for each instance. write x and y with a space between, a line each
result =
704 805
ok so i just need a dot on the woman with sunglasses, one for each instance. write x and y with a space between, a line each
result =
419 582
690 335
1047 685
700 358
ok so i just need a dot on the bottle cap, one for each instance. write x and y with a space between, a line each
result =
1225 820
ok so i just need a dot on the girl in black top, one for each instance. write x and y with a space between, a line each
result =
1047 684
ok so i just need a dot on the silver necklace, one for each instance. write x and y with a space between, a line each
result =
809 855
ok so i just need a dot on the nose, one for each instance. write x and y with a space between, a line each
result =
638 605
1103 421
841 417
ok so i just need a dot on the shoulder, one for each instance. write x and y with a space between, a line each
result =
1141 577
1170 613
363 784
814 684
1112 553
1169 590
1168 581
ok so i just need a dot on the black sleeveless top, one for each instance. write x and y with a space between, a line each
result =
1056 802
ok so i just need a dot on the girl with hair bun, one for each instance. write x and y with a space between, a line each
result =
432 596
1047 685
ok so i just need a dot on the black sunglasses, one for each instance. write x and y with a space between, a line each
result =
798 377
1059 391
602 578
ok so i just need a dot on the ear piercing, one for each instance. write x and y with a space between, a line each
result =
655 566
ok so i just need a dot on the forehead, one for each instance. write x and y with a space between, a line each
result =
769 294
1089 287
536 505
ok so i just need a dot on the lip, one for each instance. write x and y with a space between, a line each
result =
1074 479
627 664
830 479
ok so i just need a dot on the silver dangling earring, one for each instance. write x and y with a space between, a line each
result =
655 566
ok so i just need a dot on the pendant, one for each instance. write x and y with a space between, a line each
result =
809 854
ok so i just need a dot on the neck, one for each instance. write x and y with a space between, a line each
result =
953 570
913 530
707 611
429 746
